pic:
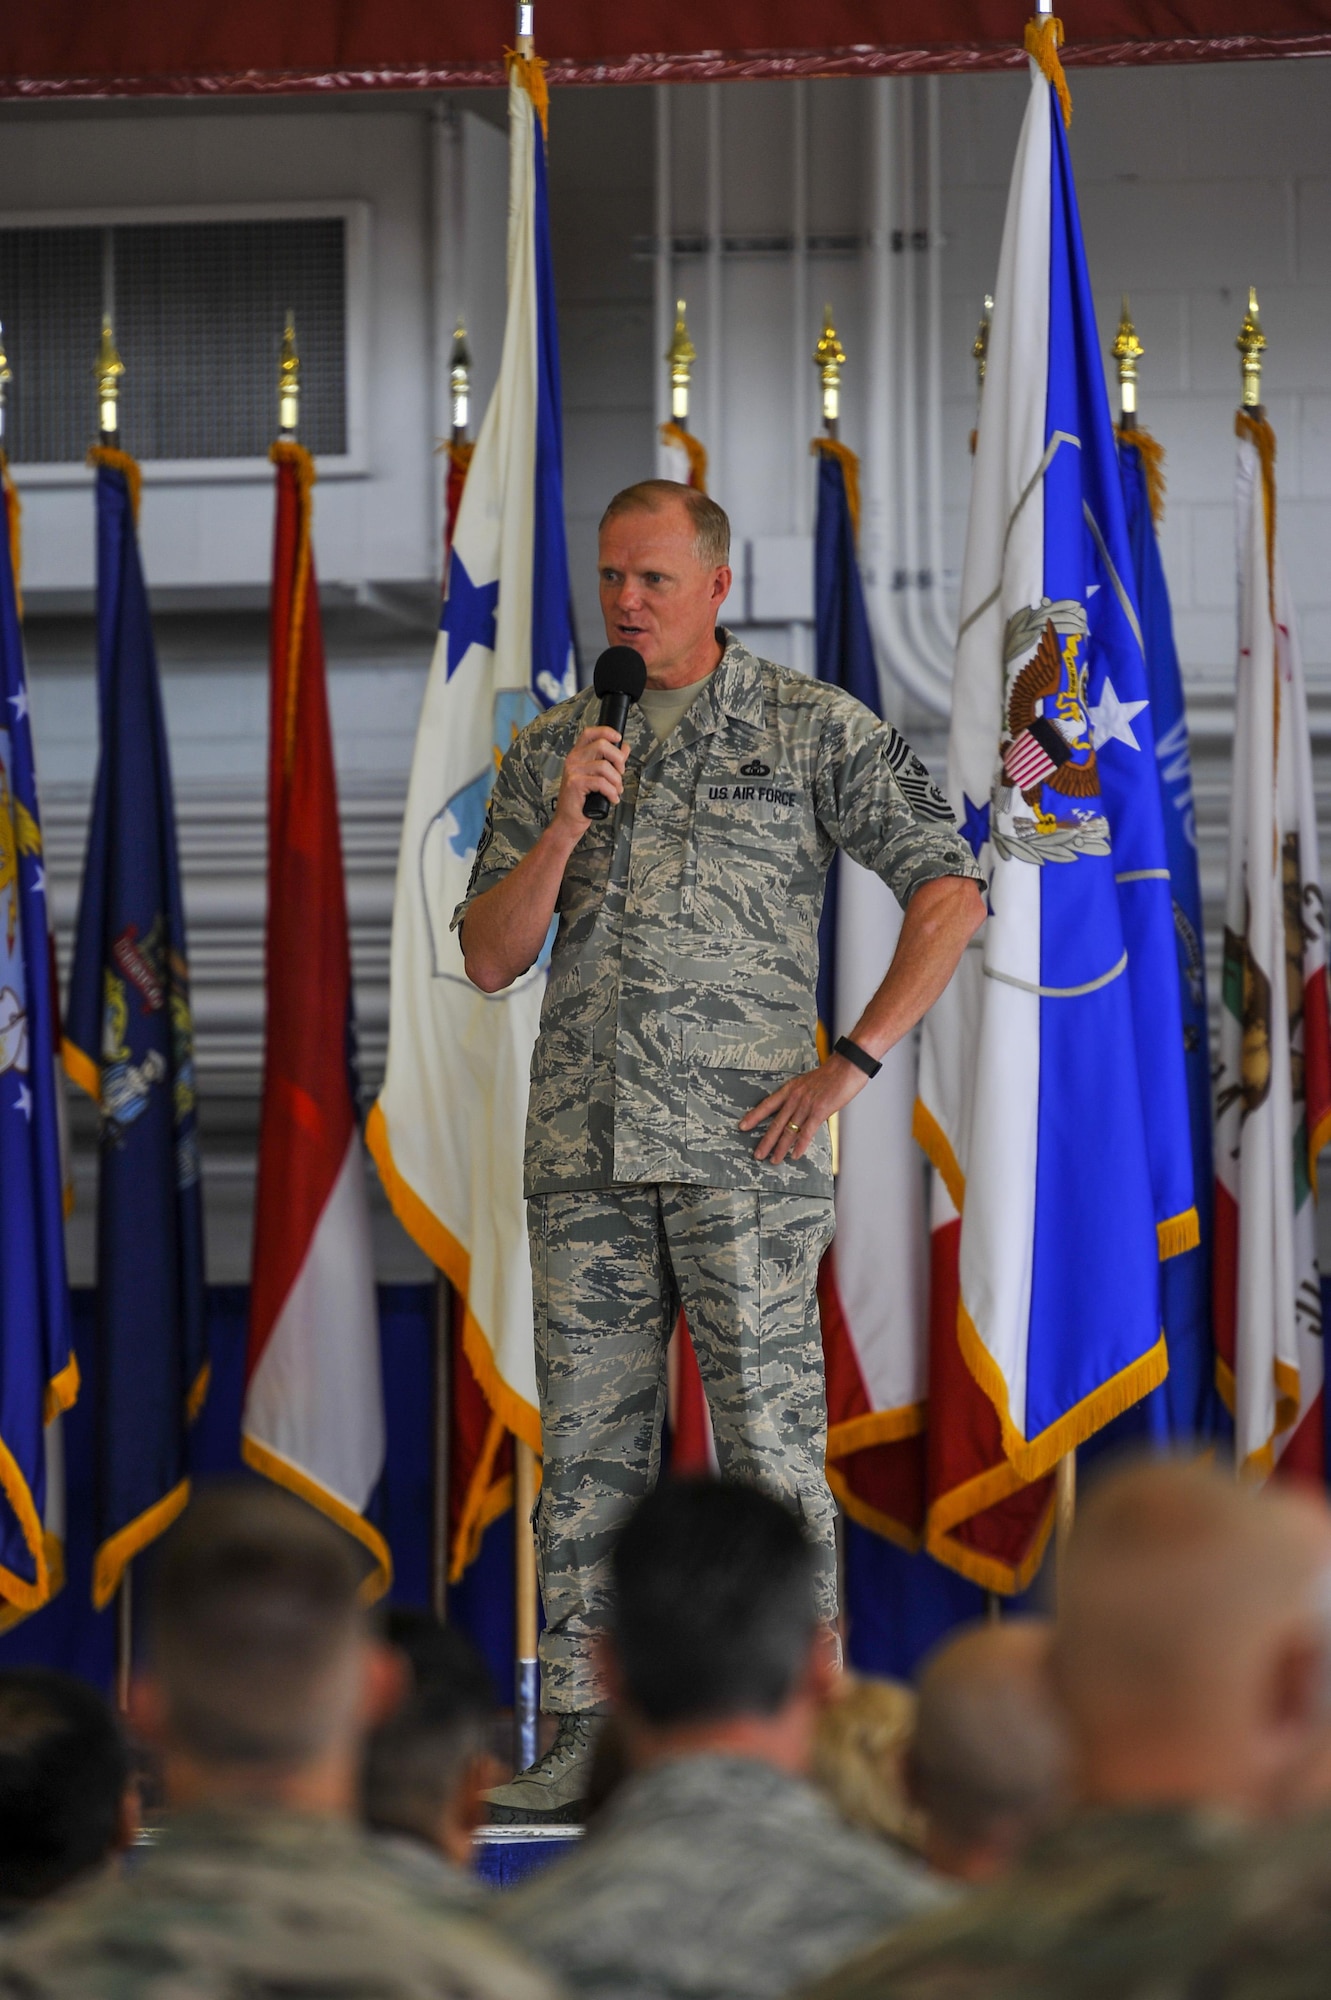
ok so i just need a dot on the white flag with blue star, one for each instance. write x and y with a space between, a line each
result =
447 1131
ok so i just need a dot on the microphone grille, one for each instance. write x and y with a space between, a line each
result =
620 671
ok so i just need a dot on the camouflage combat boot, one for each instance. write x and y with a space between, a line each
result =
554 1787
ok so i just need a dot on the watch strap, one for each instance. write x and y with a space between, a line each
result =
855 1054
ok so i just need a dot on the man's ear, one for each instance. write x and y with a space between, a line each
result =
128 1819
1296 1686
824 1676
385 1683
721 583
145 1710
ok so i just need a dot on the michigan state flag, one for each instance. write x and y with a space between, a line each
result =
1052 1104
38 1374
130 1044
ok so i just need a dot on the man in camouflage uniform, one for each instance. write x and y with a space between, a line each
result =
263 1677
677 1149
1192 1655
716 1871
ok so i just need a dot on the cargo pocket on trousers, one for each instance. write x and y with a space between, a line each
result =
795 1231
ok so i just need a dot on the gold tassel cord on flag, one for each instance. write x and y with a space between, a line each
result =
116 460
531 75
1044 39
850 472
1152 455
13 514
696 453
287 452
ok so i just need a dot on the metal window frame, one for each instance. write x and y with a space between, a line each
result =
355 215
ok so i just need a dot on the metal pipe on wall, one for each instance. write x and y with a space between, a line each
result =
923 641
444 211
663 273
897 655
712 360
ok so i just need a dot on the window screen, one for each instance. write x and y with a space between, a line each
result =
198 309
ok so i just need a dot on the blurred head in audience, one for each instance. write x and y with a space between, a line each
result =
988 1761
262 1674
1192 1647
65 1801
428 1767
859 1758
714 1640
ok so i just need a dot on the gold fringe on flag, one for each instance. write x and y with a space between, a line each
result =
1263 440
850 472
1152 455
120 461
531 75
675 434
1044 39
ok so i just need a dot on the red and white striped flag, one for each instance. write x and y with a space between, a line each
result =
313 1417
1273 1110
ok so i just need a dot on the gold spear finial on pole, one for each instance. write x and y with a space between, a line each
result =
829 358
459 382
6 377
288 381
980 345
109 370
680 357
1251 343
1127 351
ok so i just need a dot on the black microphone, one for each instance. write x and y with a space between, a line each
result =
619 679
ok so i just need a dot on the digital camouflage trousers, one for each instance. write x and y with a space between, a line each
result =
610 1270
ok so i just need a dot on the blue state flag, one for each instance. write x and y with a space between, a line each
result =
38 1374
1055 1107
1185 1404
130 1044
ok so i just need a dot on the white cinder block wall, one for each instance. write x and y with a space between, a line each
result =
1194 183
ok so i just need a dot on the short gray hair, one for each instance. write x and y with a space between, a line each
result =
711 524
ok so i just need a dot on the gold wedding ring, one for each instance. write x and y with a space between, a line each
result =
791 1126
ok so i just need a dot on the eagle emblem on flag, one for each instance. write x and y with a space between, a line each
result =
1048 740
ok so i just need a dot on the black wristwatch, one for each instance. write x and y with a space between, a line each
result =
855 1054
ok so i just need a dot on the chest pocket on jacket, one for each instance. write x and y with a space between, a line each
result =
748 831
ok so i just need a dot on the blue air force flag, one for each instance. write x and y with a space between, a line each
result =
1055 1105
447 1131
130 1044
38 1374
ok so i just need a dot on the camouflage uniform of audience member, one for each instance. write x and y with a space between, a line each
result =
681 992
260 1903
1133 1904
713 1878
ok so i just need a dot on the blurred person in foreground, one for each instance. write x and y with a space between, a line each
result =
715 1869
1192 1658
859 1758
428 1766
67 1809
987 1764
262 1678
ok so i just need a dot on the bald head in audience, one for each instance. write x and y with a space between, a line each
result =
1192 1653
988 1761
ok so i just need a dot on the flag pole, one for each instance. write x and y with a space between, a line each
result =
526 1678
980 356
109 370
